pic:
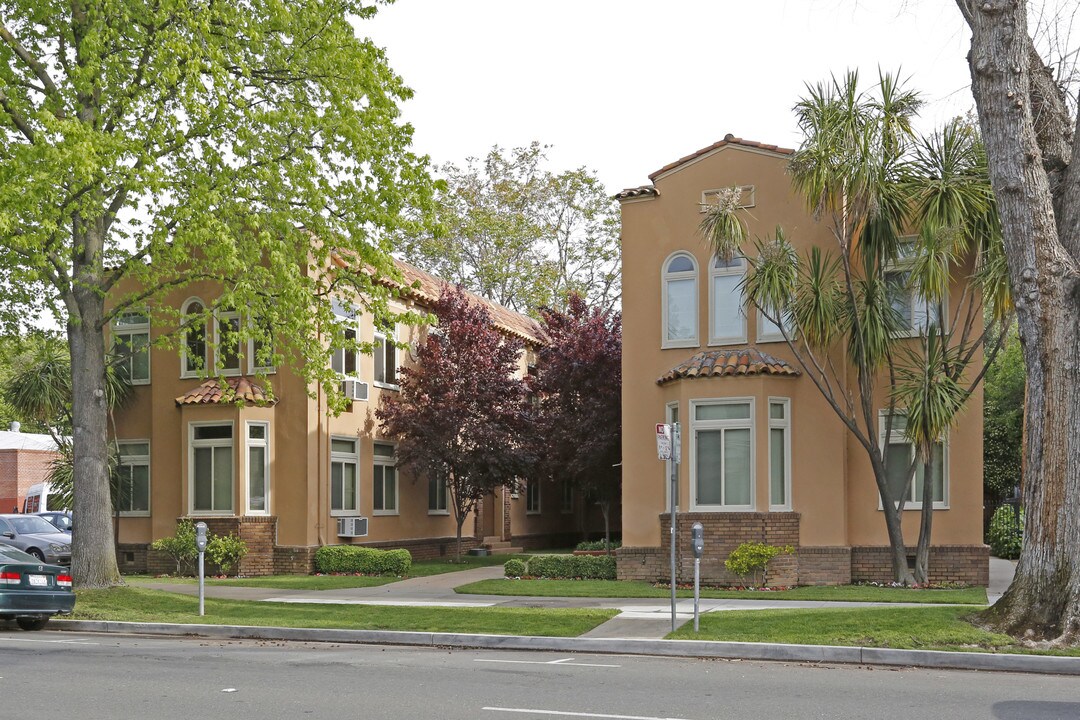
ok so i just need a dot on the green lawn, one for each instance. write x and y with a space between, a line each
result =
931 628
144 605
627 589
422 568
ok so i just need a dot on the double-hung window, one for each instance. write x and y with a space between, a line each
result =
727 320
134 476
386 363
211 463
384 492
260 347
193 355
227 342
344 476
437 496
723 454
680 301
131 342
915 313
779 454
258 468
899 456
532 497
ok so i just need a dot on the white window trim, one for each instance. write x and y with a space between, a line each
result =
219 317
767 337
529 485
747 197
341 457
140 329
667 463
786 426
345 315
905 265
381 336
250 442
715 272
251 359
665 277
149 477
383 461
192 444
184 372
446 498
696 425
897 436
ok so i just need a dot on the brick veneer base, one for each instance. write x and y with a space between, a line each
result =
809 565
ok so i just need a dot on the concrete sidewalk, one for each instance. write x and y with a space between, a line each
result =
638 617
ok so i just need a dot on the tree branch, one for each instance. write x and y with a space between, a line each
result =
34 64
16 117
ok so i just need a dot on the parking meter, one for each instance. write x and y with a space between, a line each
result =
697 539
200 545
200 536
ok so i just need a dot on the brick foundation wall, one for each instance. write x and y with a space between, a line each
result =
257 531
726 531
131 558
294 559
427 548
824 565
647 564
969 564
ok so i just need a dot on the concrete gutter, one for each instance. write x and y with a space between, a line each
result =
632 646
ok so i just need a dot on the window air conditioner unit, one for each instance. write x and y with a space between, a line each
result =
352 527
354 389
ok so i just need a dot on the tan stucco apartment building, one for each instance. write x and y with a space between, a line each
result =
281 471
764 458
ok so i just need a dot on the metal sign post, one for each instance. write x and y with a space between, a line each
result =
200 545
676 456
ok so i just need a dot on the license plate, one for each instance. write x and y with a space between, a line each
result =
38 580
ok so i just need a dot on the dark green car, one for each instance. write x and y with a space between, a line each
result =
31 591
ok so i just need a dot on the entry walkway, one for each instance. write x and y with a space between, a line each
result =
638 617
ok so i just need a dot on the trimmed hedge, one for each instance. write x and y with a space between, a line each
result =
514 568
363 560
598 545
1005 533
572 567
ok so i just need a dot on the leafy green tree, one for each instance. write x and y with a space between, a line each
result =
1003 419
878 301
521 235
147 145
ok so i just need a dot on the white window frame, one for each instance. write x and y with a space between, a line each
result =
785 425
252 360
669 418
771 337
897 437
738 270
264 443
221 316
352 458
129 331
131 461
445 499
904 264
193 444
350 320
532 504
382 348
184 371
697 425
385 462
665 278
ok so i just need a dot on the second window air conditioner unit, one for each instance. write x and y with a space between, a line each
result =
352 527
354 389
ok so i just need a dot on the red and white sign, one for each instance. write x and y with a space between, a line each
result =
663 441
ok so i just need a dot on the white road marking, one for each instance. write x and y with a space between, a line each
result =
57 642
229 690
564 661
397 603
577 714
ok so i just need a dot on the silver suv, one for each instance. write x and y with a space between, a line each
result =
37 536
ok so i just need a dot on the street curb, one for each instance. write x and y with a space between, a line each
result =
615 646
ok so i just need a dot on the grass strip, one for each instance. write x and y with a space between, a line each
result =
929 628
143 605
629 589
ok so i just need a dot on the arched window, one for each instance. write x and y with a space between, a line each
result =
193 360
727 320
680 301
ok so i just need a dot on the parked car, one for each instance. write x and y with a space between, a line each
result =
30 592
62 520
37 536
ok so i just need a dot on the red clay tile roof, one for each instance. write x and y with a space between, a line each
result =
723 363
236 388
729 139
641 191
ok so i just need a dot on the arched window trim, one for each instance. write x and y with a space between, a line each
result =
184 371
667 277
734 270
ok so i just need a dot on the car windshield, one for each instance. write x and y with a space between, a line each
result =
31 524
60 521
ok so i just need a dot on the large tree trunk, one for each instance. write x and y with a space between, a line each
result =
93 562
1027 166
897 548
922 551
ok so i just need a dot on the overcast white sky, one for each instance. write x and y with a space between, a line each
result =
626 86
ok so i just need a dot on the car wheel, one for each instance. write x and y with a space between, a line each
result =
32 623
37 553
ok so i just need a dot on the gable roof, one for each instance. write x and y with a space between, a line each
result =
729 363
236 388
729 139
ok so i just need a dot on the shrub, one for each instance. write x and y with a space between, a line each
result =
572 567
1005 533
226 551
514 568
362 560
750 558
181 547
598 545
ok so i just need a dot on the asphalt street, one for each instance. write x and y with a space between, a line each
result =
110 677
